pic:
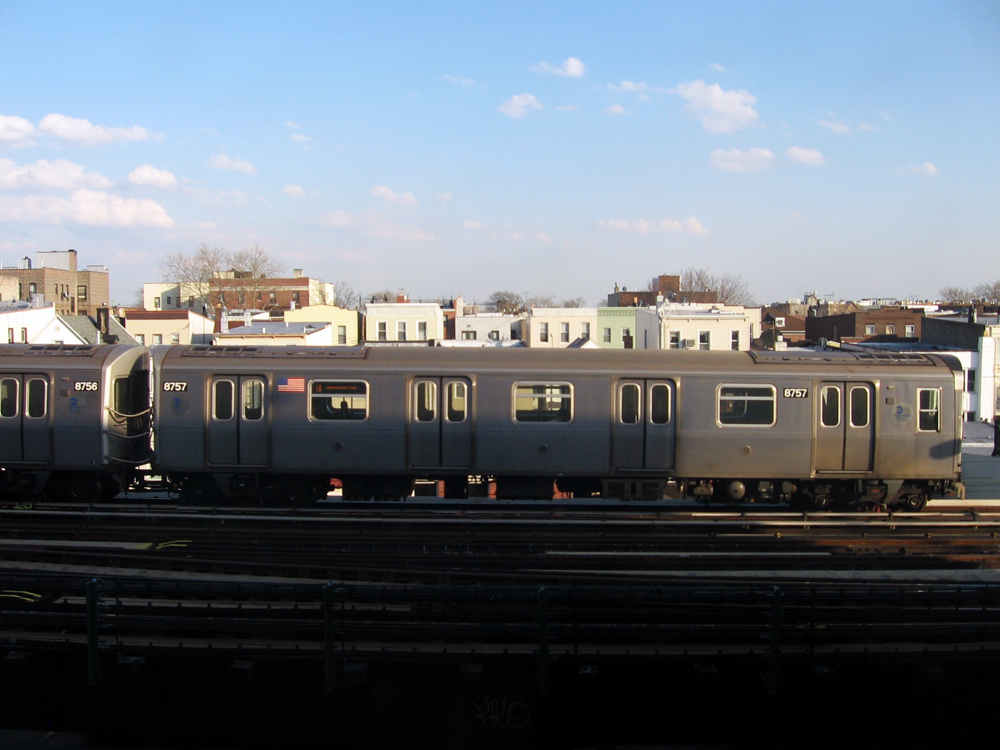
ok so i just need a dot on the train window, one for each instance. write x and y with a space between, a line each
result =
223 400
543 402
253 400
425 403
746 405
339 399
830 406
629 412
929 399
8 397
457 400
860 407
659 404
35 399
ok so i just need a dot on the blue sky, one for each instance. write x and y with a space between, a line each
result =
463 148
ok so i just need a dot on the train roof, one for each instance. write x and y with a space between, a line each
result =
519 358
57 355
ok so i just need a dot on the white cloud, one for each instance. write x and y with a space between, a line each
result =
295 190
719 111
293 125
15 130
391 196
668 226
834 126
152 177
90 207
373 224
542 237
443 198
867 128
470 224
84 133
640 89
62 174
926 168
572 68
300 138
734 160
222 161
463 81
518 106
615 110
717 68
806 156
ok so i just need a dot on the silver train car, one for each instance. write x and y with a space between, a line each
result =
811 429
74 420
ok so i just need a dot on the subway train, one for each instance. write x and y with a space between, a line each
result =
275 425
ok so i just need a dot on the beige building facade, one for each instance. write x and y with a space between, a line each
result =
691 326
345 325
152 327
403 321
558 327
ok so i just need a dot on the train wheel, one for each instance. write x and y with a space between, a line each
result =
914 503
820 502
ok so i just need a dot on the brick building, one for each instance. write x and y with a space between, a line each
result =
57 280
237 290
668 289
887 324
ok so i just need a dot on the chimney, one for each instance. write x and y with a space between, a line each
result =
224 323
459 305
297 273
402 298
104 323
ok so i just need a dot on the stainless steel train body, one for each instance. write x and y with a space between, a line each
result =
74 420
811 427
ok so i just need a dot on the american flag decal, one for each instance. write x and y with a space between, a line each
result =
291 385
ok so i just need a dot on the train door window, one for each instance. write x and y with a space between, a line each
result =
860 406
457 402
659 404
253 400
929 409
222 398
345 400
425 403
35 399
748 405
543 402
8 397
830 406
630 394
122 401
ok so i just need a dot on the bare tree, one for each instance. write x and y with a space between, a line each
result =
139 300
729 288
575 302
988 293
222 278
957 295
508 303
344 296
384 295
542 300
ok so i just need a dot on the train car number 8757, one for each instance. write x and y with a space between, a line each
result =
795 392
174 386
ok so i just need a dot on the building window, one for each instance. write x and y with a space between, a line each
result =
10 335
157 339
674 340
735 341
585 331
272 298
81 293
422 330
341 335
400 330
869 330
381 331
543 332
779 322
890 330
468 335
24 335
911 331
170 301
564 332
156 302
341 400
141 338
494 336
704 339
970 381
33 288
295 297
747 405
543 402
929 410
175 338
607 335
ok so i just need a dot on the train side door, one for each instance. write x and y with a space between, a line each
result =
845 427
644 434
25 434
440 434
237 425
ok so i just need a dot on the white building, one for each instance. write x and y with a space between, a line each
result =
558 327
403 321
697 326
36 325
277 333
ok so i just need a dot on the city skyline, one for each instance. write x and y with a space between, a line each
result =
464 149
